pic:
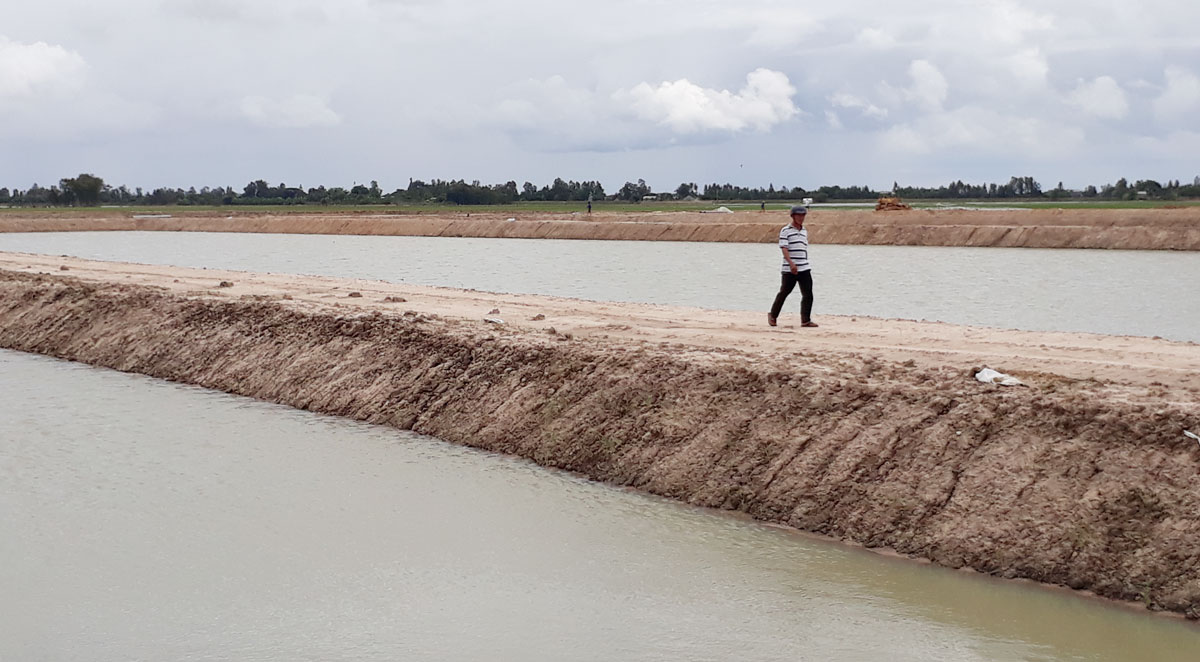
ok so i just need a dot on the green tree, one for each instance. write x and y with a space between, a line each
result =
634 192
1120 190
256 189
1151 187
84 189
507 191
559 191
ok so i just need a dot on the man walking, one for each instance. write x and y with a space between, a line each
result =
793 241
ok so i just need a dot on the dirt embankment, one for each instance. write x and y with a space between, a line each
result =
1155 229
1082 483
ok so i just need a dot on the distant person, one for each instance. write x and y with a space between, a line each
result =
762 206
589 206
793 242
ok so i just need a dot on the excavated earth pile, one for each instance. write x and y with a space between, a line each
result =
892 204
1076 483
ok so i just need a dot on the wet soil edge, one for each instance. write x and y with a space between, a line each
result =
1064 486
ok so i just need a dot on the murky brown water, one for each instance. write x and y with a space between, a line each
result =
1102 291
148 520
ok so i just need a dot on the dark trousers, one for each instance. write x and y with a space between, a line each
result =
804 278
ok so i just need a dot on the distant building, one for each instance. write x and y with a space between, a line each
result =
649 197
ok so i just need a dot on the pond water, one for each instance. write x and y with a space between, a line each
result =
146 520
1145 293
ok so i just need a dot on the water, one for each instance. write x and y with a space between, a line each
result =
148 520
1146 293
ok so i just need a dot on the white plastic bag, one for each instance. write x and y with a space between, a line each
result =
989 376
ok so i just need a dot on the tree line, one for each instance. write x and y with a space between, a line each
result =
90 190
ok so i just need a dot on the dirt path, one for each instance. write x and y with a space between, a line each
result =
1131 360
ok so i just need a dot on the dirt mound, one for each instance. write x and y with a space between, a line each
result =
891 204
1069 485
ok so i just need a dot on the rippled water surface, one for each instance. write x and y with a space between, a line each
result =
1147 293
145 520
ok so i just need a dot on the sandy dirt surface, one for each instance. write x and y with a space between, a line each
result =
865 430
1132 360
1151 229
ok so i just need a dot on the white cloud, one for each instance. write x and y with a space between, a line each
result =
982 131
685 108
1181 146
1101 97
298 111
47 90
929 86
215 10
832 119
1028 68
266 15
28 70
776 27
553 115
1009 22
847 100
548 103
875 38
1181 97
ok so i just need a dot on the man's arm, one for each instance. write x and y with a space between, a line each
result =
788 257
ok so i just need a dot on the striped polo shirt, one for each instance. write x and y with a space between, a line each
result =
796 243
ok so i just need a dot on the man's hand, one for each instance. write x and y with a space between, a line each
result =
792 266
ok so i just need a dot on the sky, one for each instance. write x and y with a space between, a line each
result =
183 93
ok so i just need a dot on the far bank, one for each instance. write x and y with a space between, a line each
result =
1127 229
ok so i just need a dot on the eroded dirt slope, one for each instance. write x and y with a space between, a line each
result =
1084 483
